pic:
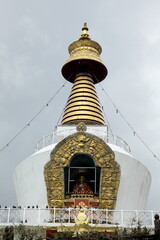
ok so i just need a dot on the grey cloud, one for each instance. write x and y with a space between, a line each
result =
33 47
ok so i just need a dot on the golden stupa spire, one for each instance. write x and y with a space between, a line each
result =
84 68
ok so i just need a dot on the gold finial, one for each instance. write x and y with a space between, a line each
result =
84 34
85 26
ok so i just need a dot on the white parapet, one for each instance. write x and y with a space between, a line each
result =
66 216
62 132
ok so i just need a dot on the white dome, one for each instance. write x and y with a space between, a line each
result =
134 181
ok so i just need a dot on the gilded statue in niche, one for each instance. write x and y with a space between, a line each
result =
86 143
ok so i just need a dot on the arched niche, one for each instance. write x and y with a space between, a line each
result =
61 155
82 165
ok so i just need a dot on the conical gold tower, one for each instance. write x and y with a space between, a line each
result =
84 68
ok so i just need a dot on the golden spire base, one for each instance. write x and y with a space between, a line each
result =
83 104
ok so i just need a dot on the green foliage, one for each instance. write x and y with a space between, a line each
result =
83 236
23 232
120 235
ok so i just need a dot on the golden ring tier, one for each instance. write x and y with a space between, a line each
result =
83 104
84 55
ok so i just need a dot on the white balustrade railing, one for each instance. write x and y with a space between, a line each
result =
61 216
60 135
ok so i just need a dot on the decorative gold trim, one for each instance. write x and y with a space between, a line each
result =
83 98
83 118
83 107
83 94
81 76
61 155
84 82
85 89
83 103
83 112
82 79
85 45
83 86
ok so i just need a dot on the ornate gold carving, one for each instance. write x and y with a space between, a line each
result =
86 44
81 127
81 218
82 142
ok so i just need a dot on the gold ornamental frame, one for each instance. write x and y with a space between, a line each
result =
104 157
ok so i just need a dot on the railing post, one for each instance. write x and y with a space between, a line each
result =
69 214
157 227
39 215
137 218
91 215
24 212
152 217
54 215
122 218
9 210
106 216
109 216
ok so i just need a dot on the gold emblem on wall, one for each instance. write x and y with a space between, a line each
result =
86 143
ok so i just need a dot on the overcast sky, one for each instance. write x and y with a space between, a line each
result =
34 40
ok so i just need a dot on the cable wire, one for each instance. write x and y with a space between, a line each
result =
127 122
29 123
134 132
59 119
109 126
